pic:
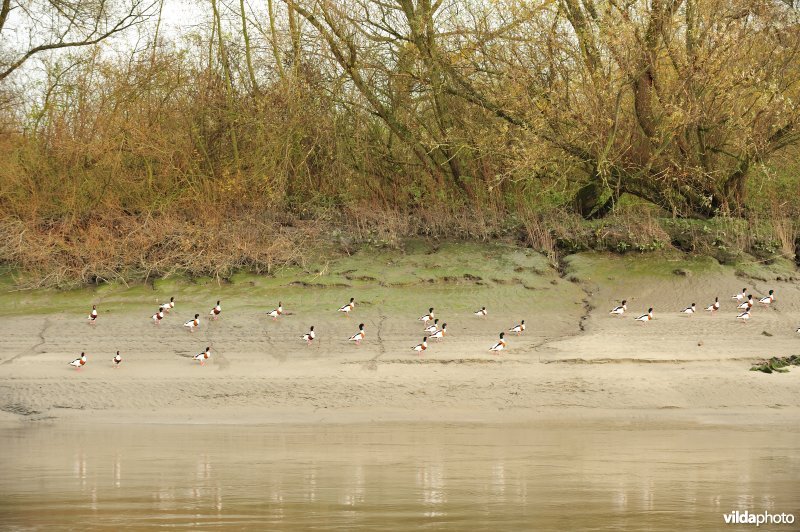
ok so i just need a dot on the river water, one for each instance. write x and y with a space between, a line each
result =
395 476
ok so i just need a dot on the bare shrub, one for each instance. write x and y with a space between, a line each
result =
129 247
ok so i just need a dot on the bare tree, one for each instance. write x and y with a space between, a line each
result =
30 28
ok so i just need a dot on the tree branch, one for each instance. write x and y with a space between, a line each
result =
132 18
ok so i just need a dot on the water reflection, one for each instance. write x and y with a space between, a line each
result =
402 475
117 471
353 493
310 483
430 481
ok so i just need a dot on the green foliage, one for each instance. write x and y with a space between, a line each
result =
776 364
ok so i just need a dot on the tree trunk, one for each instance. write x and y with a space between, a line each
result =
226 71
294 32
274 40
248 57
735 189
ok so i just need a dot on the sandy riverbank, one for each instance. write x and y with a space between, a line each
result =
574 362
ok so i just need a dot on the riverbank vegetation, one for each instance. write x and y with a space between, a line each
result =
138 140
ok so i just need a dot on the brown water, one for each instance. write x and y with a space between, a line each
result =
400 477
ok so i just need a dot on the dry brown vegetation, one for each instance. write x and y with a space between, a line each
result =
123 248
247 140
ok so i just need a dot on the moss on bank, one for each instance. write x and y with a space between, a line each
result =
467 272
463 273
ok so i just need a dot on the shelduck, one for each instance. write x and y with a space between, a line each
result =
93 315
79 362
500 345
427 317
357 337
714 306
438 335
348 307
158 316
309 336
419 348
746 304
480 313
620 309
766 300
739 297
433 327
690 310
744 316
202 357
644 318
216 311
519 329
275 313
193 323
169 306
117 359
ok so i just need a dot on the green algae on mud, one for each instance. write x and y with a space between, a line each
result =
428 263
441 269
463 274
601 267
776 269
595 266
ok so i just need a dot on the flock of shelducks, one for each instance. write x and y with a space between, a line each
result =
744 303
432 329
